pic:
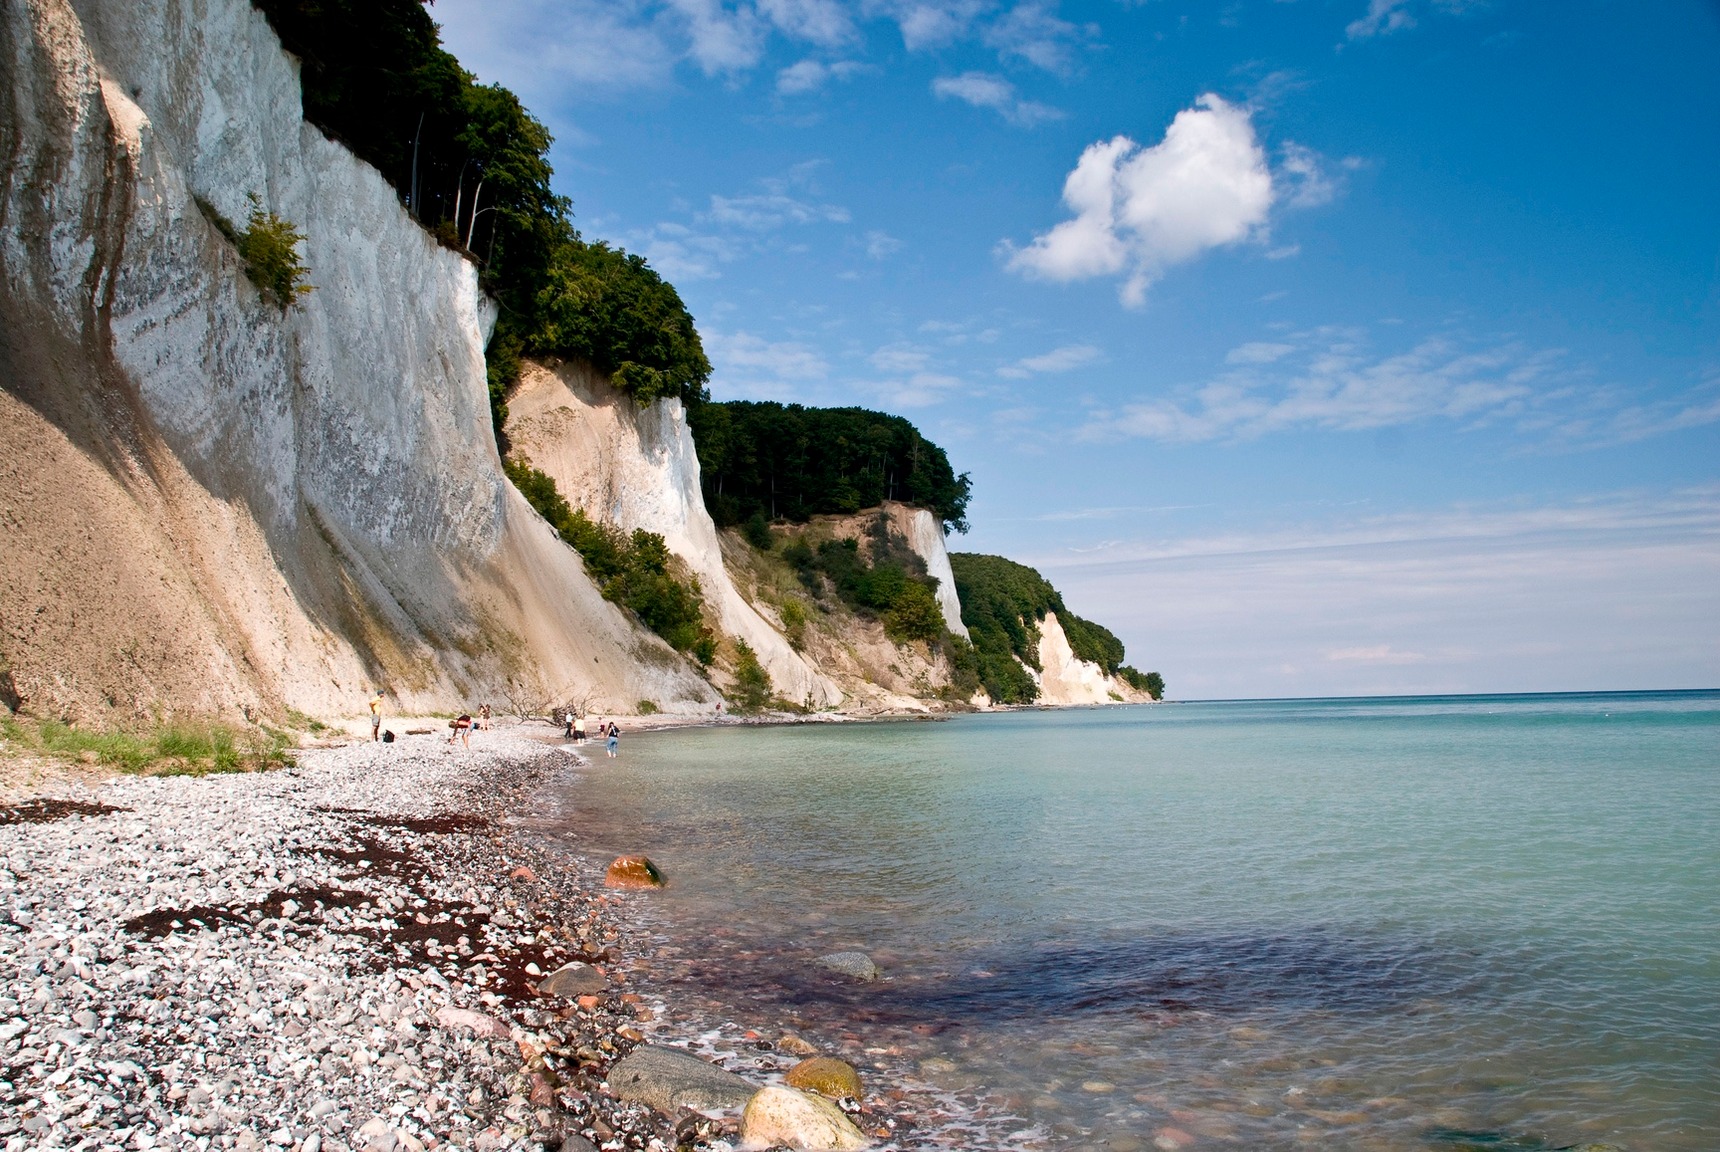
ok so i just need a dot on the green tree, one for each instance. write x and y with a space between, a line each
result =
753 689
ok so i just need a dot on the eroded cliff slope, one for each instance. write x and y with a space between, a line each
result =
210 503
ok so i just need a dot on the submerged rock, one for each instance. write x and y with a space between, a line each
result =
826 1076
795 1046
573 980
668 1080
855 964
634 872
784 1117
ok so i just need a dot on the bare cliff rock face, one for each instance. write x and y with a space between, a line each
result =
1063 678
635 467
207 502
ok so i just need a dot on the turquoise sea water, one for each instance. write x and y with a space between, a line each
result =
1455 922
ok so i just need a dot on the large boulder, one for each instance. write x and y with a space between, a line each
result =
571 980
782 1117
634 872
668 1080
827 1076
855 964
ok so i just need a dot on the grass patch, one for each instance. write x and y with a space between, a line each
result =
181 749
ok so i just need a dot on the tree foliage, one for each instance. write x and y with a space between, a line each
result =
472 166
788 462
885 580
1002 605
753 689
631 570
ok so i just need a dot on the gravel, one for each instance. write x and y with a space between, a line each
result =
336 956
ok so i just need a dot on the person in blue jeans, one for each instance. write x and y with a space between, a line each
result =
614 741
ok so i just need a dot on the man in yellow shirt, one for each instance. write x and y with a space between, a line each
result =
376 715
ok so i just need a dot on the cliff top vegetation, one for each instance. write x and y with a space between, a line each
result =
471 165
788 462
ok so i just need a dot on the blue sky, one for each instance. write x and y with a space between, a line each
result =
1326 346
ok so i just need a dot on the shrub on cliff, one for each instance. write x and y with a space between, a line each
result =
785 461
886 580
630 570
752 690
269 245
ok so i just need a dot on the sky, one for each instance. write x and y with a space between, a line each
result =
1315 347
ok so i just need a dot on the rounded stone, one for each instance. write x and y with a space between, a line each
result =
634 872
855 964
783 1117
573 980
826 1076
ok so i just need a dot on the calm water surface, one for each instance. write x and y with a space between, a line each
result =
1430 923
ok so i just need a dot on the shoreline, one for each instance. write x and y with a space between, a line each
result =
336 956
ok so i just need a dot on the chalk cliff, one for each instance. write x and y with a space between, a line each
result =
1063 678
635 467
209 503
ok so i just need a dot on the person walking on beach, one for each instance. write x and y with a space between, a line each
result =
376 715
579 729
614 741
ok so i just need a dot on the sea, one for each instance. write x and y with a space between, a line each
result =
1447 923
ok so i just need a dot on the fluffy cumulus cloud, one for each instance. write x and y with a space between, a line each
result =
1138 211
984 90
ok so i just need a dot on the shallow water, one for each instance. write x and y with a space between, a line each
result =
1433 923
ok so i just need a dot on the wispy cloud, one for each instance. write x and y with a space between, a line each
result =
1141 210
745 366
984 90
1065 359
1620 591
1033 32
766 211
1384 17
881 245
1332 379
811 75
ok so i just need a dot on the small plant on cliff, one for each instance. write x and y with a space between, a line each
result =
269 245
1149 682
752 690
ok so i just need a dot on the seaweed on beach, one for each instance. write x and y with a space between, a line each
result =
46 811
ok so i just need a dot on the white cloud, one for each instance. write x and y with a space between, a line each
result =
901 358
811 75
722 40
927 24
880 245
1032 31
816 21
762 213
983 90
1374 654
1304 173
1329 379
1384 17
1064 359
1141 210
744 365
541 47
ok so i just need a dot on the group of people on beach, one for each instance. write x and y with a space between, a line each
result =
461 726
607 730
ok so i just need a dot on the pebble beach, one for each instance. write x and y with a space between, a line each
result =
357 952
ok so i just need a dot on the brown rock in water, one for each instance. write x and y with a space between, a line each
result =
826 1076
572 980
782 1117
634 872
795 1046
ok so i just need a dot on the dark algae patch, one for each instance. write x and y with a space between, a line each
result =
46 811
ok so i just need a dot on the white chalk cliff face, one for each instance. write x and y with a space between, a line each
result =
635 467
1065 679
210 503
